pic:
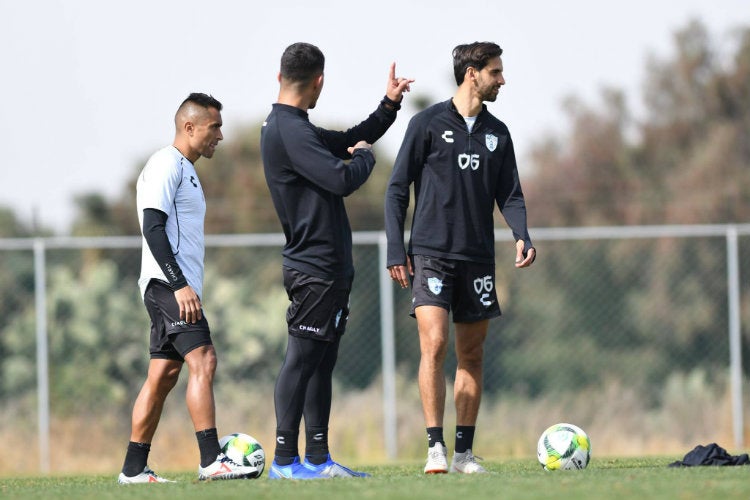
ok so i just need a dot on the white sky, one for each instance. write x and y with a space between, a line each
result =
90 86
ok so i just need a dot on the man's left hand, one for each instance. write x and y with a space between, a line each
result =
524 259
397 86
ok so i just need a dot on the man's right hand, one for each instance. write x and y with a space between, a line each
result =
400 273
189 303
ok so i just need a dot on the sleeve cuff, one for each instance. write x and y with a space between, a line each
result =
390 104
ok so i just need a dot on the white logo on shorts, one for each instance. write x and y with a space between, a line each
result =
435 285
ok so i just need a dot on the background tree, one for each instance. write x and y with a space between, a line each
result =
685 162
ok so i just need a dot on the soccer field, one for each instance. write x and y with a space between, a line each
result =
603 479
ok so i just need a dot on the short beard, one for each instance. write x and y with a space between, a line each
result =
489 95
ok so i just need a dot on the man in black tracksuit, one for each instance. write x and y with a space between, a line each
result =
461 161
308 179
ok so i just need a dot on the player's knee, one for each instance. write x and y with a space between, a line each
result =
202 361
164 381
435 350
170 378
471 359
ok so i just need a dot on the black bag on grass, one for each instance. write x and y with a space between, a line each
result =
712 454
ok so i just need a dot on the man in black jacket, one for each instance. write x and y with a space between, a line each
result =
308 179
461 161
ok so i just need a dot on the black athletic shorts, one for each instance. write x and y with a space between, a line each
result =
464 287
171 337
319 307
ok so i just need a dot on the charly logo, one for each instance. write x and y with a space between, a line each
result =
435 285
447 136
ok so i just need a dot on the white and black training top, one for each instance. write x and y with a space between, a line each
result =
169 183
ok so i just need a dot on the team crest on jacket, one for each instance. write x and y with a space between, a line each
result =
435 285
491 141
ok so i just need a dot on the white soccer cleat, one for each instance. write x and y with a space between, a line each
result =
466 463
225 468
147 476
437 460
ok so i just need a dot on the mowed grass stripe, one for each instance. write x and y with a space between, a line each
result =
625 478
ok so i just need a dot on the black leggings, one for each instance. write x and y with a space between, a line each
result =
304 384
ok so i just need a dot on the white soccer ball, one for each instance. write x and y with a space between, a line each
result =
244 449
562 447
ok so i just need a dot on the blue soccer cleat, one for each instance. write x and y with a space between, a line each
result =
329 468
295 470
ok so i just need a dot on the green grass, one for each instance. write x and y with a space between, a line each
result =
641 479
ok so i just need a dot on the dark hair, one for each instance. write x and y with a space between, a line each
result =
475 55
301 62
204 100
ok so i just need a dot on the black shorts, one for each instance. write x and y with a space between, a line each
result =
464 287
319 307
171 337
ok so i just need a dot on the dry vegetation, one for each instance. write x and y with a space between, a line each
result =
614 417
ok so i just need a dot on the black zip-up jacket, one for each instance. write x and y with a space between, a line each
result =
458 177
308 179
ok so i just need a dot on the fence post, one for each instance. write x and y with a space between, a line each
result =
390 432
735 347
42 356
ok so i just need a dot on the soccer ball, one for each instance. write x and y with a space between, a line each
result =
563 446
244 449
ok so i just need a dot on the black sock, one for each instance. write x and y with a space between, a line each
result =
136 458
435 435
208 443
286 447
316 447
464 438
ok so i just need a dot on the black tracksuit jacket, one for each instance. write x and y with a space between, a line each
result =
308 179
458 178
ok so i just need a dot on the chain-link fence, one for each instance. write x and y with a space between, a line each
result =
631 333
